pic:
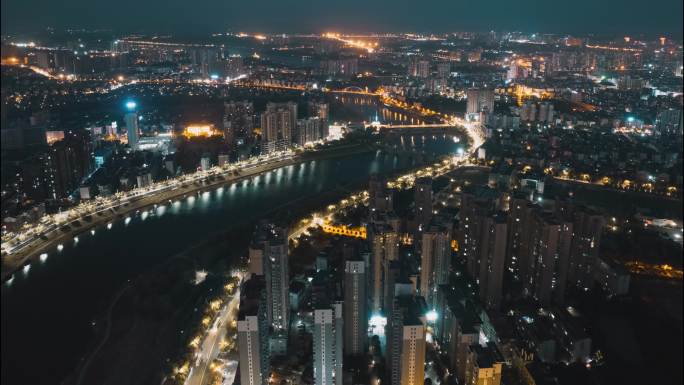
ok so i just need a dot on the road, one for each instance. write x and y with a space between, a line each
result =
209 349
17 248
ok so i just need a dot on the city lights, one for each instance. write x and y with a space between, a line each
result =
433 201
205 130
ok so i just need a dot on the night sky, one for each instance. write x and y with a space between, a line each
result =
187 16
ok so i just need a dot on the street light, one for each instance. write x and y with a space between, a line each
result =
431 316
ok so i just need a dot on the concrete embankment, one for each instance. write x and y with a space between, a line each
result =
15 261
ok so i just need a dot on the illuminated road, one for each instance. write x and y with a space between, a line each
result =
209 349
19 247
364 45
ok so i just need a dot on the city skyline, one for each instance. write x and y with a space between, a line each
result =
187 203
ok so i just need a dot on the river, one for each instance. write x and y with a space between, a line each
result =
47 312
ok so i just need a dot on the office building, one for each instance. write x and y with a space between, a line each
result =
355 308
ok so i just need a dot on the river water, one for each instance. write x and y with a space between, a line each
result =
47 312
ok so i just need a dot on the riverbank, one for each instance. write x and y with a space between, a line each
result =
11 263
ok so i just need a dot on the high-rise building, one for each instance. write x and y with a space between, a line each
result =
385 248
355 308
422 193
278 122
528 112
545 112
273 243
234 66
492 258
322 111
206 61
443 70
520 216
379 197
483 232
68 161
587 226
205 162
132 130
483 365
338 324
327 346
252 333
309 130
406 341
344 67
435 260
423 70
484 249
480 100
418 67
549 257
238 121
457 326
669 121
